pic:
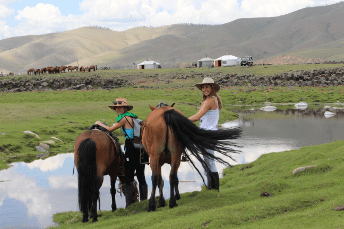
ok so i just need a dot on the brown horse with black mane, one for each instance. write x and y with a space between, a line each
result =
92 67
96 155
167 133
31 71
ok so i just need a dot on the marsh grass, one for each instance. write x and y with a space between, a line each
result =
304 200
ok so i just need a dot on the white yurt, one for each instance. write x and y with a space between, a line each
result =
148 64
227 60
205 62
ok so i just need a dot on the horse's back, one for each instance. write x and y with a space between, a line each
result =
105 149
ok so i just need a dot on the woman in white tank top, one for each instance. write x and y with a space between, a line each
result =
208 115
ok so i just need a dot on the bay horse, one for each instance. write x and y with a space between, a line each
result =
92 67
82 69
166 135
31 71
38 71
96 155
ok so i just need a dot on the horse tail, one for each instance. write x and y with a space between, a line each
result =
198 140
87 175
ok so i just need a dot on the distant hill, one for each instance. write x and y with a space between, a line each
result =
307 35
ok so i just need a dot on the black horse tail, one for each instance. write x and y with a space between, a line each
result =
198 140
87 175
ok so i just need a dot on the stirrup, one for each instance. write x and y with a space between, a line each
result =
184 158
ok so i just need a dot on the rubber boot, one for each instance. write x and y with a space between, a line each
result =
215 181
143 191
129 192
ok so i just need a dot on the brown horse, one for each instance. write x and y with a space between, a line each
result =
167 133
82 69
43 70
38 71
92 67
31 71
95 156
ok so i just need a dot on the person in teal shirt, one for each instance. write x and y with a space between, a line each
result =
132 154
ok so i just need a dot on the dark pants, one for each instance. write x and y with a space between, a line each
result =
133 164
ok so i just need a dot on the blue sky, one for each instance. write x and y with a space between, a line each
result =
33 17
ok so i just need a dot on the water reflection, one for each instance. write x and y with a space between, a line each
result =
35 191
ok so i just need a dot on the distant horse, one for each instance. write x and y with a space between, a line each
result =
62 69
43 70
50 70
82 69
95 156
167 134
38 71
31 71
92 67
72 68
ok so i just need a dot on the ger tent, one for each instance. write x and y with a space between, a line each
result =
205 62
148 64
226 61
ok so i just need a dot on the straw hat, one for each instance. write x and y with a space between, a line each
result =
210 81
121 102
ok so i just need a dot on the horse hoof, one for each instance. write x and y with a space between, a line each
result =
177 197
84 220
94 220
149 209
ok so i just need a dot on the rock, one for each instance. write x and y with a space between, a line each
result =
42 155
44 146
56 139
339 208
40 149
30 132
3 133
266 194
48 142
300 169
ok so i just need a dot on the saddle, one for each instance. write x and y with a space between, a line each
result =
114 139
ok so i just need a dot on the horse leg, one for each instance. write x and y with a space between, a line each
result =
113 193
93 209
177 196
156 173
173 184
161 192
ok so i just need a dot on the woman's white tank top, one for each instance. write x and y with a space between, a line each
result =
210 119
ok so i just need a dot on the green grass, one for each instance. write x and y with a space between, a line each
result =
192 72
304 200
66 114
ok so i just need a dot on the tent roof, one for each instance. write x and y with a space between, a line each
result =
206 59
227 57
148 62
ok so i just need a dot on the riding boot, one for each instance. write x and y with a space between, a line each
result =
129 192
143 191
215 181
209 182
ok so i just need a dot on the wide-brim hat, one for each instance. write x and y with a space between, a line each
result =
121 102
210 81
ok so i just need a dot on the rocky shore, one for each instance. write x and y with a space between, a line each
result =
316 77
61 83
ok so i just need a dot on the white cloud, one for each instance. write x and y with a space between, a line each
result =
5 10
122 15
49 164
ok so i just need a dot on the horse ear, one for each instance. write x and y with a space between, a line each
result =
173 104
151 107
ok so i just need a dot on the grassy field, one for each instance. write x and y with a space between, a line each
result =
66 114
266 70
303 200
298 201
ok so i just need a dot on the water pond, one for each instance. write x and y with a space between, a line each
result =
30 193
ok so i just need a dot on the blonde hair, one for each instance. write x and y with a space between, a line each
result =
213 93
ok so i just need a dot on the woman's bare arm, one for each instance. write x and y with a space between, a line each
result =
204 109
114 127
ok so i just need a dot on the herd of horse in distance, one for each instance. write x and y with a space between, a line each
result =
53 70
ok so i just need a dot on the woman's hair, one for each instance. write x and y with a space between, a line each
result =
213 93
